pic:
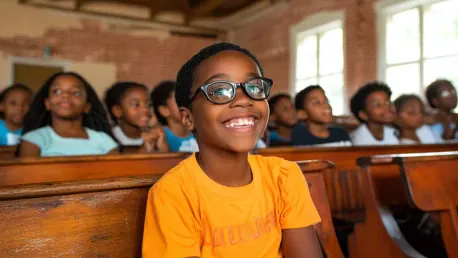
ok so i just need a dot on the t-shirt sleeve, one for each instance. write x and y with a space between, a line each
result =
169 226
107 143
298 210
38 137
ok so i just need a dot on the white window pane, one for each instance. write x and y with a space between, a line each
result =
441 29
403 37
301 84
306 63
441 68
404 79
331 52
333 86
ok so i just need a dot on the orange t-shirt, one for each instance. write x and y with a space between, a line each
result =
188 214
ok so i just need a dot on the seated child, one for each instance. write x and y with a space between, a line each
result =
313 106
14 104
66 118
178 137
441 95
410 121
283 118
129 107
223 202
372 106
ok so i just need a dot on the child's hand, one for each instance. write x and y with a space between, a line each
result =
155 140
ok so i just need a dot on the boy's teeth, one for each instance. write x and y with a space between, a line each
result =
240 122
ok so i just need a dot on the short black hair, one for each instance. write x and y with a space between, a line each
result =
276 98
185 76
403 99
159 96
115 94
299 100
432 91
37 117
16 86
358 101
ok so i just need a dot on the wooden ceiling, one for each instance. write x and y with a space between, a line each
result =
201 16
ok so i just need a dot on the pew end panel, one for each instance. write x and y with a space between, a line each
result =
379 235
432 183
314 172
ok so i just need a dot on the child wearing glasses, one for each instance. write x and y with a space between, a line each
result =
178 137
221 201
372 106
441 95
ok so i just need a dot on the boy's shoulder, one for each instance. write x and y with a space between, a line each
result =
275 165
177 176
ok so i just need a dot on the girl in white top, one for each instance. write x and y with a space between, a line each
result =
129 107
372 106
410 121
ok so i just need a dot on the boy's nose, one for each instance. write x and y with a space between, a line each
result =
241 98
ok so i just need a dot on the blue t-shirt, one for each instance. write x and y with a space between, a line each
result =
52 144
180 144
7 137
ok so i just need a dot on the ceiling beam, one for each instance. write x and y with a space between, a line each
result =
203 9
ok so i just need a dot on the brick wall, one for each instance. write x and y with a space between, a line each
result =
268 37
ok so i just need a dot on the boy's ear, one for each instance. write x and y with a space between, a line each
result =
2 107
164 111
301 114
363 115
186 118
435 102
117 111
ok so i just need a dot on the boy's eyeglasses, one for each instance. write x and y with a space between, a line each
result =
447 93
223 92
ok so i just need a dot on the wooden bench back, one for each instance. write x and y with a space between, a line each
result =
38 170
432 183
7 152
346 200
103 217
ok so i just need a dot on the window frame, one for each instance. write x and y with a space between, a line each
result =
386 8
316 24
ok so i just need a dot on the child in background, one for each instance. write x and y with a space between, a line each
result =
14 104
283 118
372 106
441 95
178 137
66 118
221 201
313 106
129 107
410 121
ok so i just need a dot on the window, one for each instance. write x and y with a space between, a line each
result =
318 59
420 45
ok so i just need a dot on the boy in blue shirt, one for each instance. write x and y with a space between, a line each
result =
178 137
14 104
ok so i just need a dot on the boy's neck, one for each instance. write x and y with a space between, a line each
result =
284 132
409 134
129 130
376 130
318 129
177 128
12 126
236 171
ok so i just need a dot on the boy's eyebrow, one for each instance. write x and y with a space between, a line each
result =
223 75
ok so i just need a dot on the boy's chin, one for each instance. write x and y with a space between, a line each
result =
241 147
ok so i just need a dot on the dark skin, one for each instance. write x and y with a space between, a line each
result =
67 102
172 114
284 117
445 103
410 118
137 121
221 145
318 113
378 112
14 106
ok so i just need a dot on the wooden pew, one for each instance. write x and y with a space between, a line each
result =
38 170
342 184
104 217
432 184
7 152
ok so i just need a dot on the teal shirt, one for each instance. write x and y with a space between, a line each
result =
51 144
